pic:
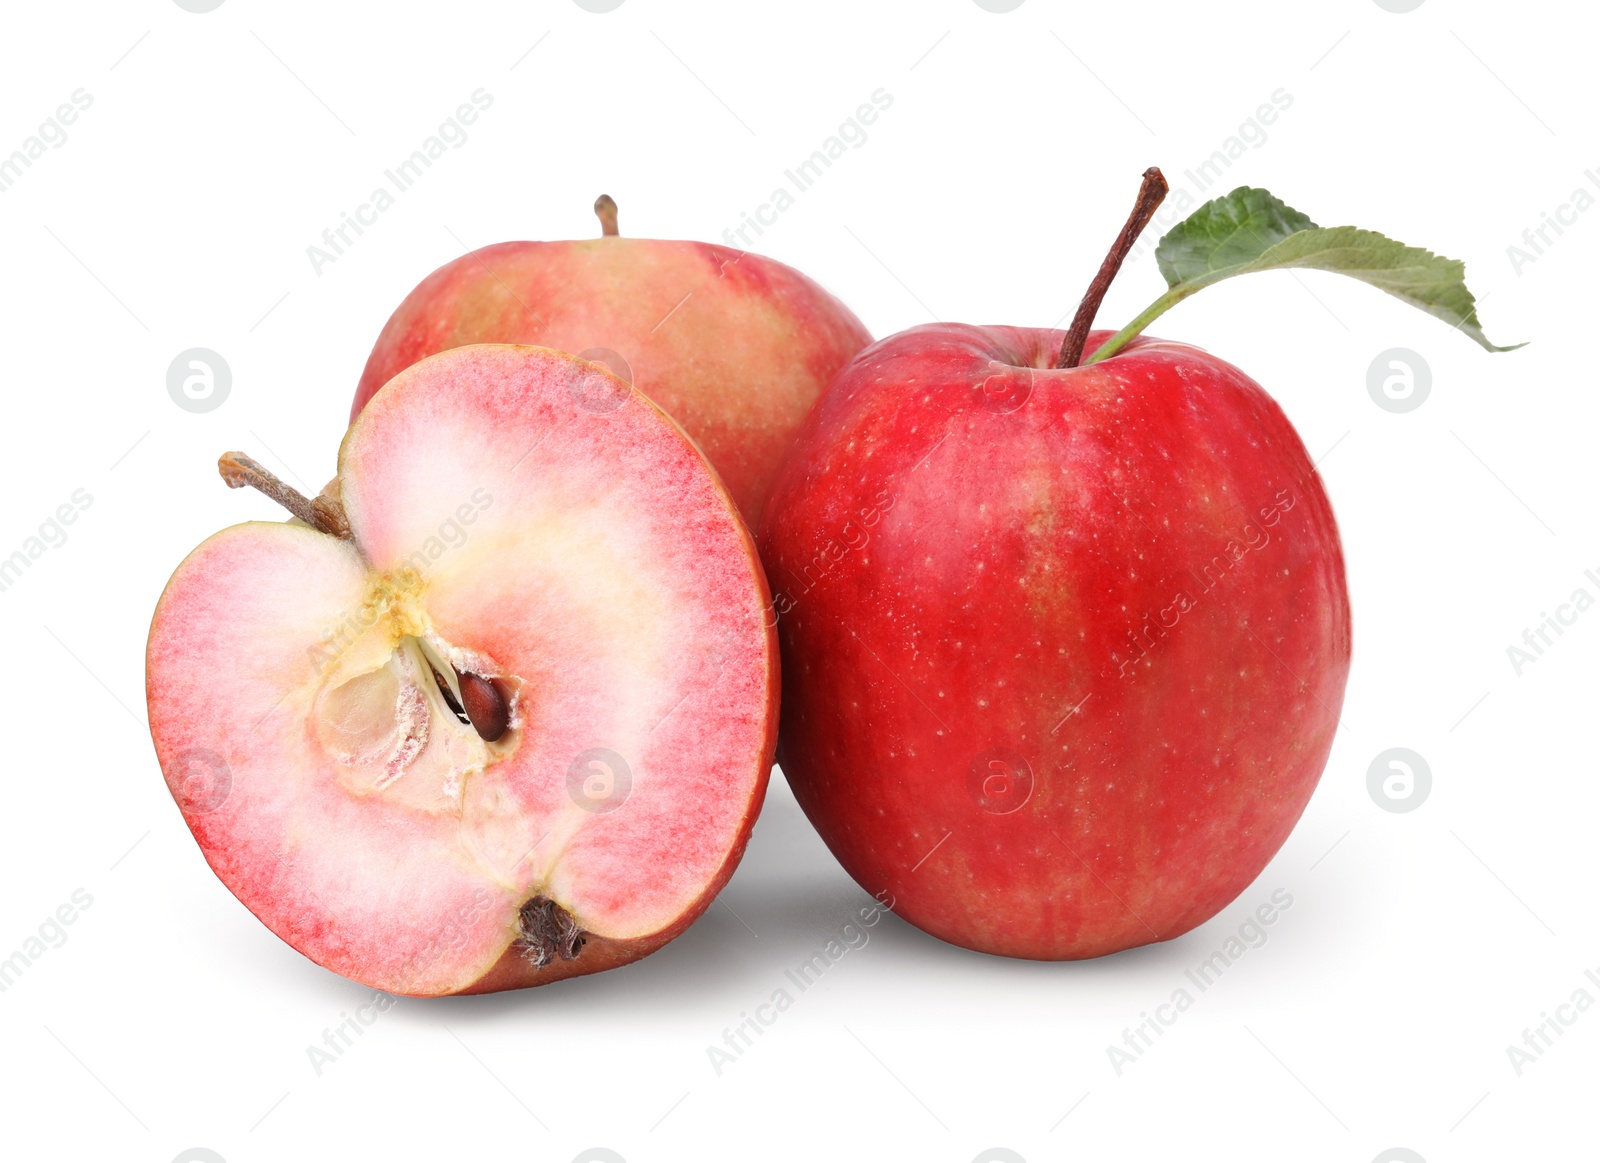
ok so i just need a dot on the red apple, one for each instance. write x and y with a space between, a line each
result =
1065 640
734 346
1063 648
499 708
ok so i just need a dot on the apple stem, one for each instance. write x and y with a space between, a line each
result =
605 209
1151 191
324 513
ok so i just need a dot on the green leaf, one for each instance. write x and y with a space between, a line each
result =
1227 234
1250 230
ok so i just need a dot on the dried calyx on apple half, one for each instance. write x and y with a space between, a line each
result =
498 707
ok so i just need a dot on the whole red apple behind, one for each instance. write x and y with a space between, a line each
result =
1063 649
734 346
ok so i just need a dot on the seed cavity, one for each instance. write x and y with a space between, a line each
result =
411 712
447 692
376 722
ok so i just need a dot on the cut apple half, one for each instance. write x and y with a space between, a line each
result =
499 707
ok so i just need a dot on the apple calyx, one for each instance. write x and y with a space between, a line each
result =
548 932
1152 190
475 700
325 513
605 209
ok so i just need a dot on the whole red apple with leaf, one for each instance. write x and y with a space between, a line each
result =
1063 616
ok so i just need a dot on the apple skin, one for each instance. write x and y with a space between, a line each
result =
1063 650
733 346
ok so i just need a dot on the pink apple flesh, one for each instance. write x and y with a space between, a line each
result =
733 346
1063 650
584 561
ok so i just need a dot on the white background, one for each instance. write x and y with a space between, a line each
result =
1419 945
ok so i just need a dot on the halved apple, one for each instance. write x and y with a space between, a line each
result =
500 709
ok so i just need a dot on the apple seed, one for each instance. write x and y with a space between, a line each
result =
480 704
485 705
